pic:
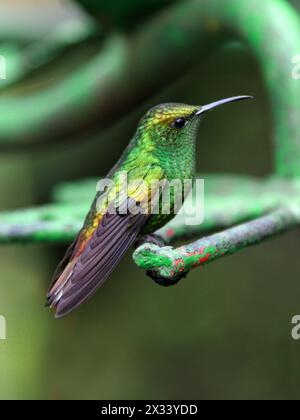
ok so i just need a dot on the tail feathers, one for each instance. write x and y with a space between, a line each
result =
88 271
56 291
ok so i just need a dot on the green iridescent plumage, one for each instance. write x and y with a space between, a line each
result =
163 149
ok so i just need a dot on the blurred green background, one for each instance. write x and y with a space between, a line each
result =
223 333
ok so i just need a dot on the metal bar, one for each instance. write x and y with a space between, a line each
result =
169 263
189 30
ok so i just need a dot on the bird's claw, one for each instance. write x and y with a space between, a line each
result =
162 281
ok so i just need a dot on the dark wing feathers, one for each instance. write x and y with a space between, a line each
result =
64 262
104 251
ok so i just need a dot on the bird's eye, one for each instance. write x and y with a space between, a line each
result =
179 123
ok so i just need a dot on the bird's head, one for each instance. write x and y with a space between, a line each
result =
172 123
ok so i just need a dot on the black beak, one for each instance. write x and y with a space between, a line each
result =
209 107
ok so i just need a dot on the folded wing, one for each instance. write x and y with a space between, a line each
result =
84 274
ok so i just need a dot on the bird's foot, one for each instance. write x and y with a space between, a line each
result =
157 240
161 281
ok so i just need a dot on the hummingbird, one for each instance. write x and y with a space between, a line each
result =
162 148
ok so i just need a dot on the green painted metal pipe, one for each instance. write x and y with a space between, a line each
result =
245 199
185 33
169 263
21 61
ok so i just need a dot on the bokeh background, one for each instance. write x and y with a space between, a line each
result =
223 333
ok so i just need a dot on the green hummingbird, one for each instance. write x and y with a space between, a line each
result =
163 148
